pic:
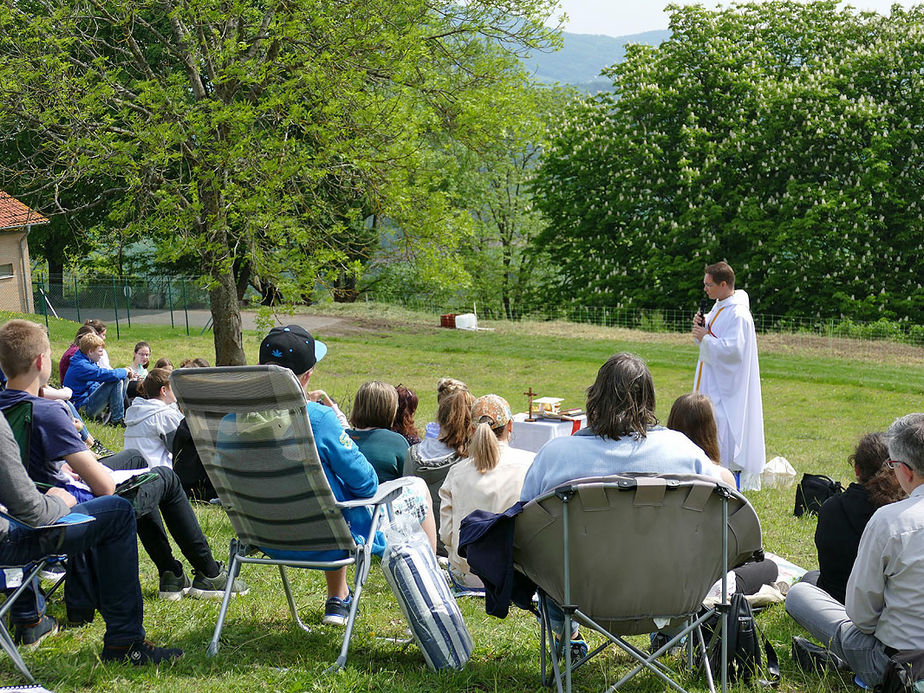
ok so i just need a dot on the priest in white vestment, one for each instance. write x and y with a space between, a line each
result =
728 372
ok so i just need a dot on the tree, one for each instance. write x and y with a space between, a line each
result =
780 136
237 128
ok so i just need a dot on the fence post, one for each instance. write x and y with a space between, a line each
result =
76 298
185 306
127 290
115 306
170 301
44 302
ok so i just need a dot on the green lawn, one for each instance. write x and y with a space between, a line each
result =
815 407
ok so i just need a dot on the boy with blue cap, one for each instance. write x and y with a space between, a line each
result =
348 472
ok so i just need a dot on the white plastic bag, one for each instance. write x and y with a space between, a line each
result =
778 473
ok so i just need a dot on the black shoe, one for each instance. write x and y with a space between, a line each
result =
172 586
140 653
31 634
101 450
118 424
814 658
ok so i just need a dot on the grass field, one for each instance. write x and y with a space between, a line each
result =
815 405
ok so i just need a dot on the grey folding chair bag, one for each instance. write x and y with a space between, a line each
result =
642 546
252 432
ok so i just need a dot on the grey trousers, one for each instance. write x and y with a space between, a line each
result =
826 619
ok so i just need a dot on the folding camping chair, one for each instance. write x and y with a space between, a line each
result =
18 577
251 429
634 554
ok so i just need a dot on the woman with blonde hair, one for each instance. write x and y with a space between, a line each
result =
374 409
432 458
490 478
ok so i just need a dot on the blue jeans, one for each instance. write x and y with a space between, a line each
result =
826 619
102 568
110 395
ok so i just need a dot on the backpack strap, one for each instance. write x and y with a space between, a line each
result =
773 662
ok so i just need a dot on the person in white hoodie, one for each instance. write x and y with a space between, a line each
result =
152 419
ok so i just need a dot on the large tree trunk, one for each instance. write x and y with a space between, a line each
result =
226 322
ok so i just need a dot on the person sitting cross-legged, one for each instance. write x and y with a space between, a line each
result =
57 456
884 609
102 563
95 388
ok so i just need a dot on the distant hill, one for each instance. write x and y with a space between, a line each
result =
583 56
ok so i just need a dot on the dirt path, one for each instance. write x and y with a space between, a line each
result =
383 320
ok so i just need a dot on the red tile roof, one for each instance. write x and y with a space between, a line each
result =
14 213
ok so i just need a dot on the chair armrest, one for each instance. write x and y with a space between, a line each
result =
387 492
69 519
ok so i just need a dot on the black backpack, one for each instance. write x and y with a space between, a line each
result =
744 646
813 491
904 673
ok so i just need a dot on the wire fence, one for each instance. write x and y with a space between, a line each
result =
169 300
679 321
156 300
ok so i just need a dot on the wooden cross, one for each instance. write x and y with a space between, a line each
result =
529 412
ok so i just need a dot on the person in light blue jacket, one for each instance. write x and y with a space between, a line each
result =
348 472
95 388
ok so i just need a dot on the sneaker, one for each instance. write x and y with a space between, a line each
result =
172 586
578 650
31 634
660 639
118 424
101 450
140 653
214 587
52 572
337 611
814 658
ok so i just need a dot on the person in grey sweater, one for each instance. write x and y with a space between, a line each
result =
102 565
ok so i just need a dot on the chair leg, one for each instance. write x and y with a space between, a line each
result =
706 666
6 642
288 590
548 645
234 567
363 563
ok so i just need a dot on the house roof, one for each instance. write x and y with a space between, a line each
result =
14 214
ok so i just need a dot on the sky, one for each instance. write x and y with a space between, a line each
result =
622 17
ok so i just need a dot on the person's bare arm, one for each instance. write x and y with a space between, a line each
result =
727 476
93 474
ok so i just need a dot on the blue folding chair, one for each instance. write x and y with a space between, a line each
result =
18 577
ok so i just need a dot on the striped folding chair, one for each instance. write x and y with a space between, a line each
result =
251 429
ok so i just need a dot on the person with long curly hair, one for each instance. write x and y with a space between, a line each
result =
842 518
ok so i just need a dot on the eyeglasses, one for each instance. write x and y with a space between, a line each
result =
894 463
